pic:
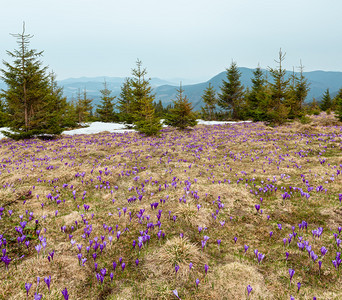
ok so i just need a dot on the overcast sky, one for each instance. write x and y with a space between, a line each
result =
194 39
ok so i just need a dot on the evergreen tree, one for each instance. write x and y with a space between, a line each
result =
326 101
302 88
52 111
278 111
105 110
338 110
291 97
210 100
124 103
257 97
70 117
335 101
181 115
312 107
83 107
298 90
141 107
232 92
30 93
147 121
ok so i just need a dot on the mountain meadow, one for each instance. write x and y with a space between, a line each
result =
227 211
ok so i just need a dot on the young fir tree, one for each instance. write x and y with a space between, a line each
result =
298 90
70 117
30 93
302 88
338 110
143 113
232 92
291 99
83 107
181 115
336 99
257 97
105 110
124 103
279 87
210 100
326 102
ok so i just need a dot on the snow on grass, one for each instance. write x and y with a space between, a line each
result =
97 127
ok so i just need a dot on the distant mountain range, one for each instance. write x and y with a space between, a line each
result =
165 90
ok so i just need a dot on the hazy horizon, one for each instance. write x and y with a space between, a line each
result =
193 40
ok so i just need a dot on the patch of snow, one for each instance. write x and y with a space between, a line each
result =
97 127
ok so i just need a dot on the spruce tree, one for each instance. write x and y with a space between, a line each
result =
232 92
30 93
70 117
83 107
326 101
257 97
335 101
210 100
124 103
181 115
279 87
105 110
141 107
298 90
338 111
302 87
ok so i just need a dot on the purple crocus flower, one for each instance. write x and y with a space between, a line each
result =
291 272
206 267
27 288
249 289
99 278
260 257
197 282
246 248
37 296
298 286
48 281
190 266
287 255
176 268
176 293
256 253
51 254
38 248
137 262
5 259
123 265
